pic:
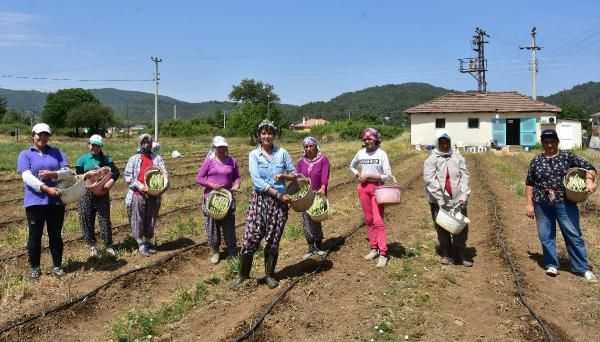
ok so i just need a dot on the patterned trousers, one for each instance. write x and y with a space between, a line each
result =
142 213
313 231
213 230
90 206
265 217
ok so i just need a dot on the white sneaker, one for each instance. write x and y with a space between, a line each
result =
589 276
308 255
215 258
110 251
93 252
321 252
552 271
372 255
381 262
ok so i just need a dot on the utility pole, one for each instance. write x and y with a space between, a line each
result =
268 99
534 63
156 60
477 66
224 113
174 111
128 125
348 115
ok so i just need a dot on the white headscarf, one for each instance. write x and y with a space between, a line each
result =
442 133
217 141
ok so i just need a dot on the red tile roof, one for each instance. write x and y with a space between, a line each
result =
596 114
483 102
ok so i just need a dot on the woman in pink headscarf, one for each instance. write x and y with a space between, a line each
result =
313 165
375 169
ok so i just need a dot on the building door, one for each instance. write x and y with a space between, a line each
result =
565 135
513 132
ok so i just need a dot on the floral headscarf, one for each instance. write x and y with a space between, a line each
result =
140 139
309 162
268 124
371 133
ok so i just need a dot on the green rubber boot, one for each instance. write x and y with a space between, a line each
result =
270 262
244 272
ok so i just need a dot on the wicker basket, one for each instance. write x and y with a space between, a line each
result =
575 196
389 194
73 193
97 188
149 172
223 193
301 204
323 216
452 220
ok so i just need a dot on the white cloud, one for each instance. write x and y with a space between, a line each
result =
19 30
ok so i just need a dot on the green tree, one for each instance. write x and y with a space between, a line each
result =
60 103
2 107
13 116
96 117
572 111
252 91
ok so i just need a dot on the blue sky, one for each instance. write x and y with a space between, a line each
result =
309 50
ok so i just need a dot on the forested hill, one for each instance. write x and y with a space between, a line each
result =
586 96
382 101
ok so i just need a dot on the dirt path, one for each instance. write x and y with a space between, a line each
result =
570 305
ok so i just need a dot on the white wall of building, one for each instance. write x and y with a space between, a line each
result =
569 134
422 127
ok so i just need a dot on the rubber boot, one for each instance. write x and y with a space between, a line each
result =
244 272
270 262
461 253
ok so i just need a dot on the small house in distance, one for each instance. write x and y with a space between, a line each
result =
307 123
475 119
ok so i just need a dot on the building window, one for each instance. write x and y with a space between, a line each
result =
473 122
440 123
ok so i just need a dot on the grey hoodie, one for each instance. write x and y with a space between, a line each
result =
434 174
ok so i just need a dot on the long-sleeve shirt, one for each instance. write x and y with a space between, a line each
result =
442 169
132 172
374 163
317 170
213 171
263 170
546 175
34 161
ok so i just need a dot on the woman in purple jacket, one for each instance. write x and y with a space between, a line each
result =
219 171
313 165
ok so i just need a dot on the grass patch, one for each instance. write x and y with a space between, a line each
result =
189 226
144 323
292 232
232 267
9 281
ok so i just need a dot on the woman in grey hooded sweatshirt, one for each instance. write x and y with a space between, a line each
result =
447 184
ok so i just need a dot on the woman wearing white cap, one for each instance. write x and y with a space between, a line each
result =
91 204
219 171
447 185
142 210
41 167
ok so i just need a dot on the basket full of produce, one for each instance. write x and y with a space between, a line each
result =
574 182
319 210
301 196
156 181
95 182
218 203
72 188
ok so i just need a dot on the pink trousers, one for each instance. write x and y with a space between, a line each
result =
373 214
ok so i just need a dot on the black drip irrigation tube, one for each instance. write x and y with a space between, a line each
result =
282 294
502 243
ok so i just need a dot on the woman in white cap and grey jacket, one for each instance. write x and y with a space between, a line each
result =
447 185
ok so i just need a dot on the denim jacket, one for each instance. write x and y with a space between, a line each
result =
262 170
132 172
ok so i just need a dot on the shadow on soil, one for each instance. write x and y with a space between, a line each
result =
175 244
303 267
102 263
564 263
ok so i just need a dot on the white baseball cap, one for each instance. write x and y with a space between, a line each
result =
41 128
96 140
219 141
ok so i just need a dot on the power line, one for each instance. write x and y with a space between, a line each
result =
74 80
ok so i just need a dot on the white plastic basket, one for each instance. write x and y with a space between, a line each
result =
73 193
452 220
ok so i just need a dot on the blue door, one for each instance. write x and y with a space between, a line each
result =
528 136
499 131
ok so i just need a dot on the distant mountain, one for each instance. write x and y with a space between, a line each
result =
382 101
586 96
135 105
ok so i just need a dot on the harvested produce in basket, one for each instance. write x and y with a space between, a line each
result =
67 182
156 182
576 183
218 204
99 180
318 207
300 193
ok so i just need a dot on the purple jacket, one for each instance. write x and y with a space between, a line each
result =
317 170
212 171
